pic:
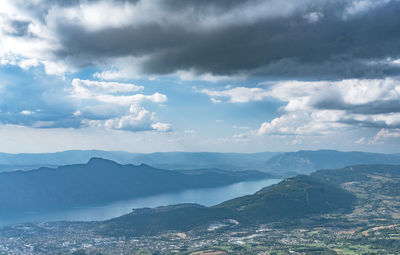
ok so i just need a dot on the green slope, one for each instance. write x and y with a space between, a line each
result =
183 217
294 197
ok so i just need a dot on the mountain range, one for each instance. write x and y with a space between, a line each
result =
165 160
305 162
101 181
279 163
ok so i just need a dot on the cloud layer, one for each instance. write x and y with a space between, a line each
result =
322 107
294 38
56 103
334 67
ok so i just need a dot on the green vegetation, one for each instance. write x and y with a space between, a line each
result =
182 217
294 197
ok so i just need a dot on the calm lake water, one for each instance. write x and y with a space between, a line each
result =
207 197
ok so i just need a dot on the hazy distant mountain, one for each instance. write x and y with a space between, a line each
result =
28 161
194 160
101 181
165 160
294 197
305 162
361 173
283 164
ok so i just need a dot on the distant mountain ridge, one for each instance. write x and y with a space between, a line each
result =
101 181
358 173
165 160
282 164
305 162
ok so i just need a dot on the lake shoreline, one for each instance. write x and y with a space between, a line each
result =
203 196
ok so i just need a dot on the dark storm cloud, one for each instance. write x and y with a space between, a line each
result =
19 28
332 45
86 48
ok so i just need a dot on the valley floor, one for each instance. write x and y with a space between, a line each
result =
346 238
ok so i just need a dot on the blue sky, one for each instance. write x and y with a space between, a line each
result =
178 75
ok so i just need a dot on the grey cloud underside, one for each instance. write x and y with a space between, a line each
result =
20 28
376 107
289 46
368 123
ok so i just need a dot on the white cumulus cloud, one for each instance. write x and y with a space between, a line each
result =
318 107
138 119
113 92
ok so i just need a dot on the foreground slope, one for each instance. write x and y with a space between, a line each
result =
101 181
294 197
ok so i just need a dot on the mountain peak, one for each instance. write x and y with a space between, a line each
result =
98 160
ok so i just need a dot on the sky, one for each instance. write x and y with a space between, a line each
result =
190 75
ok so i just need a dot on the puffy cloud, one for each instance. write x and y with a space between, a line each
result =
161 127
237 95
319 107
359 96
113 92
84 86
377 98
34 99
28 63
301 123
366 103
133 99
138 119
113 97
353 96
207 40
293 123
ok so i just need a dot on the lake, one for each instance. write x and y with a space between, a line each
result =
207 197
